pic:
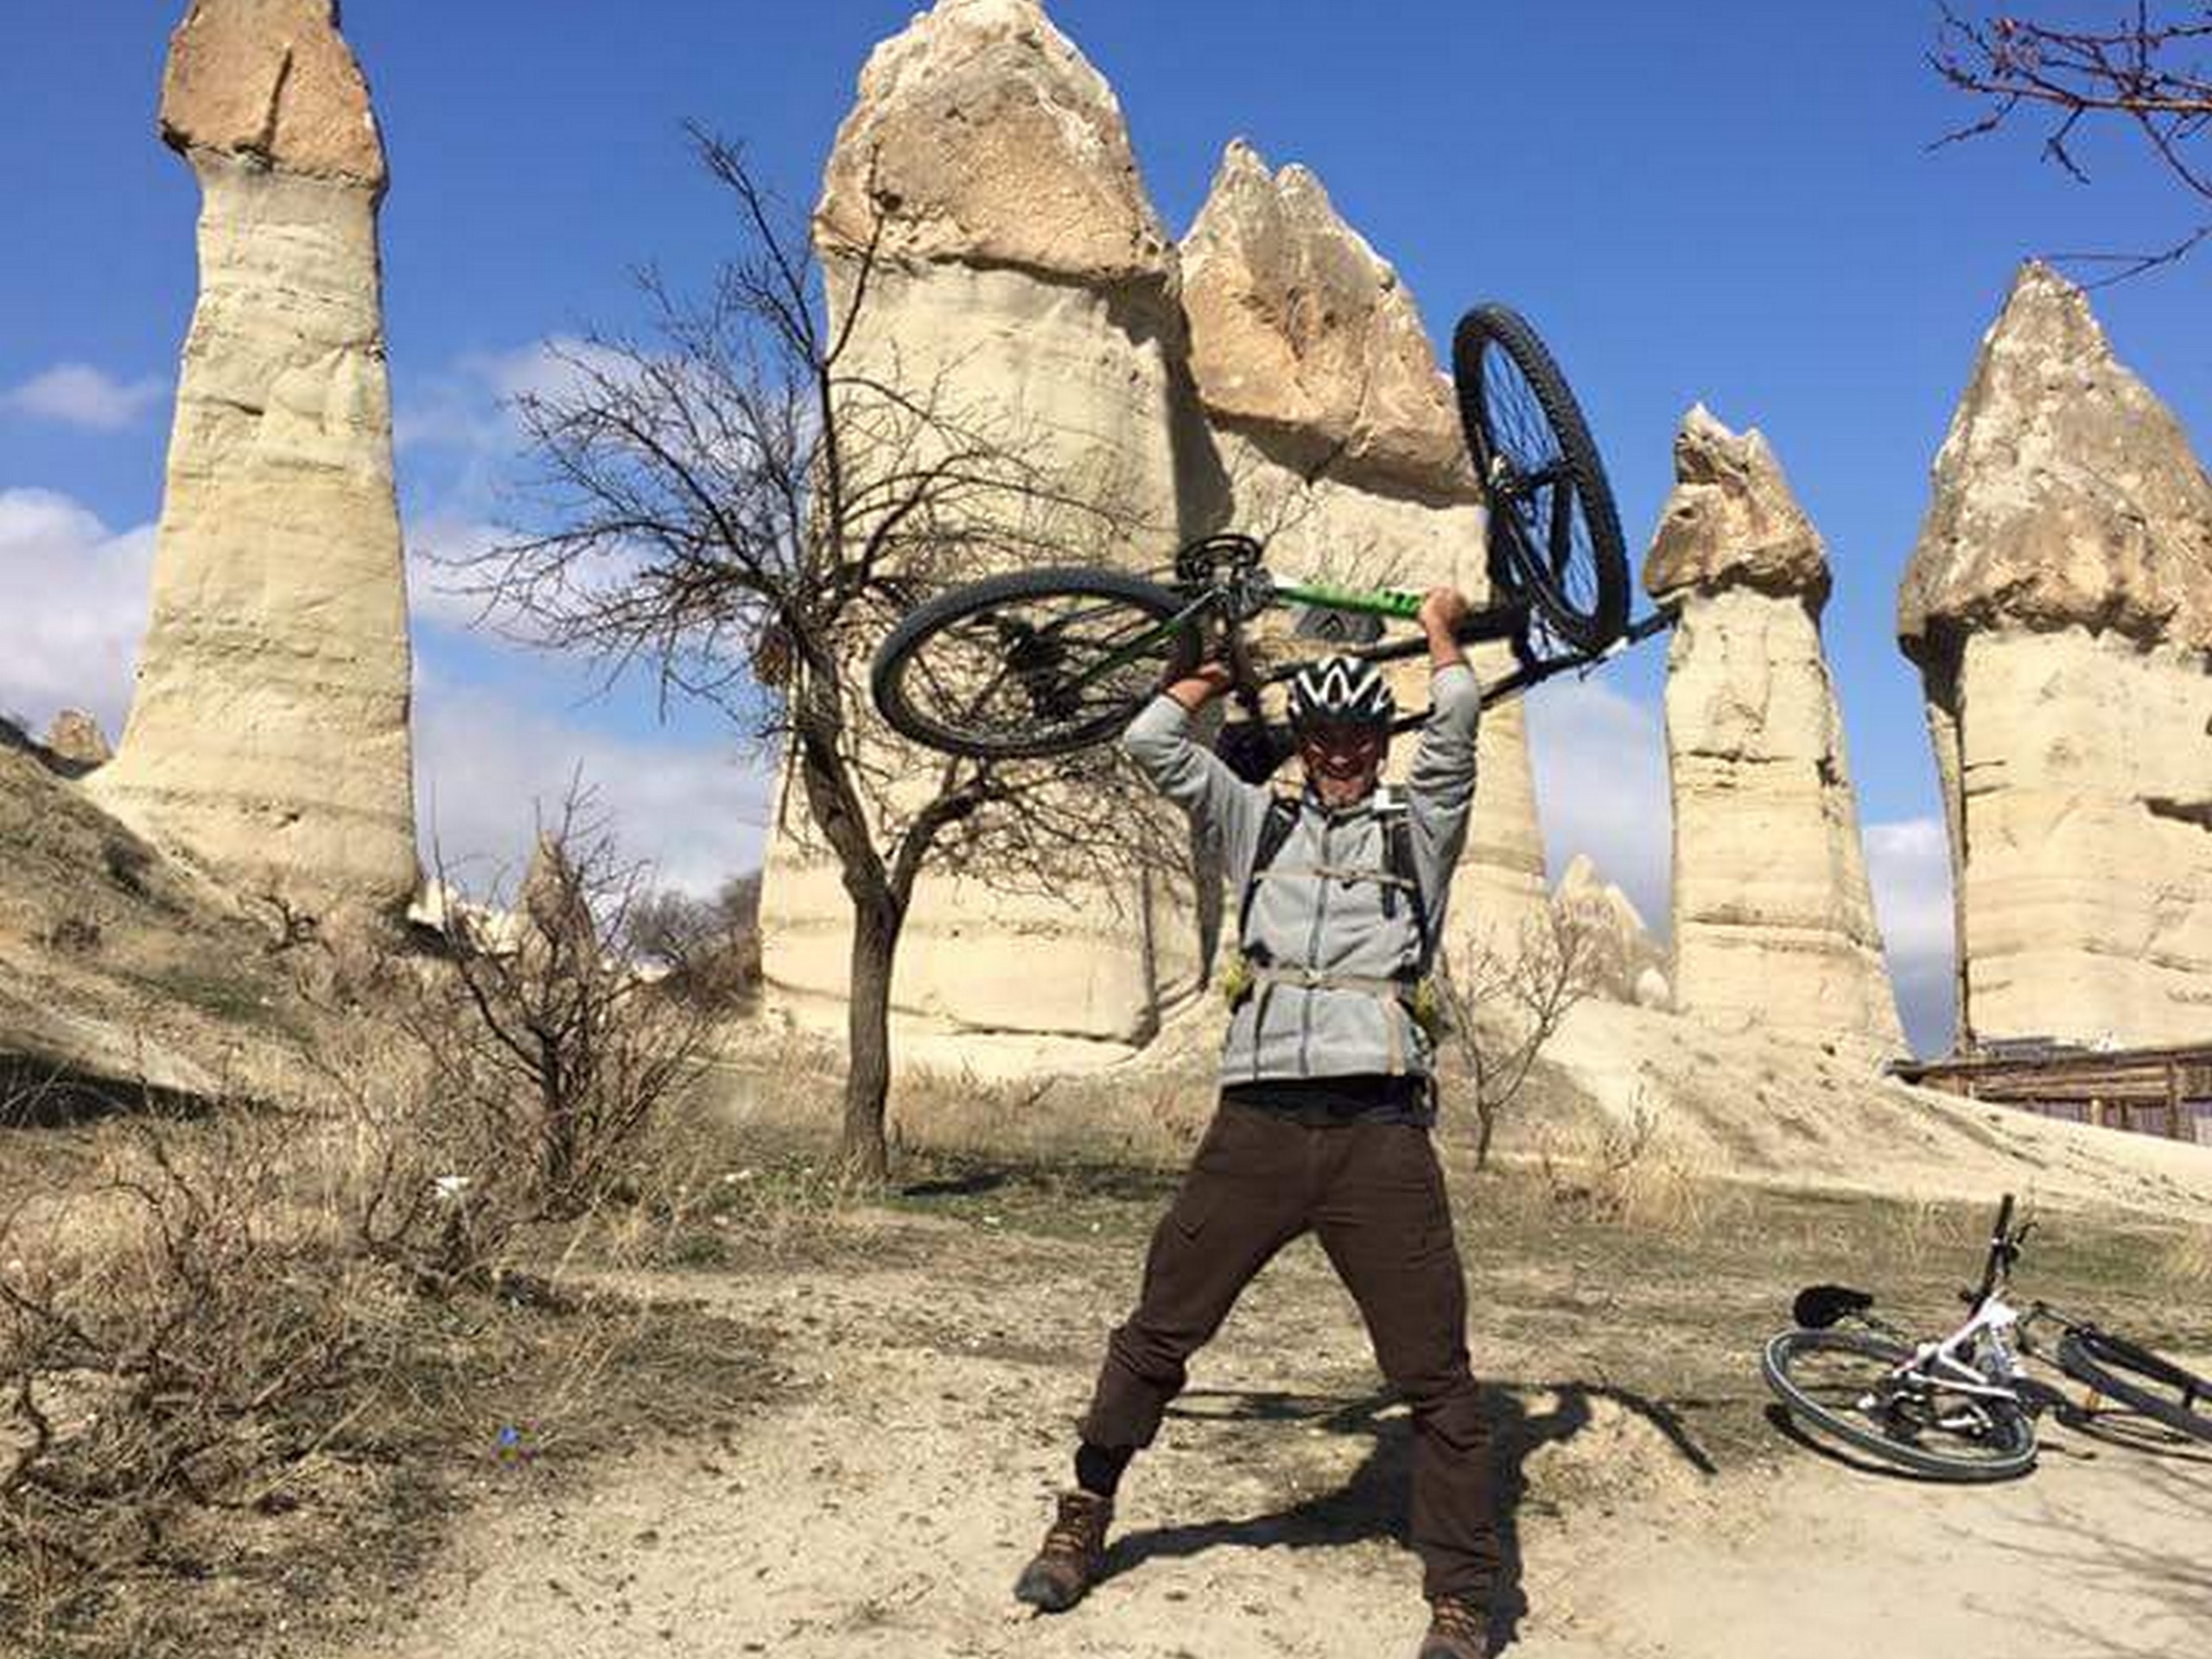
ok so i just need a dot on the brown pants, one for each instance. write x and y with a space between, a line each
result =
1374 1195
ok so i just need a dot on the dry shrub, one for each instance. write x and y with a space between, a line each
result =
173 1342
259 1310
237 1303
1503 1005
1629 1174
2186 1259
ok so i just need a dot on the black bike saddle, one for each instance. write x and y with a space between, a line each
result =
1819 1306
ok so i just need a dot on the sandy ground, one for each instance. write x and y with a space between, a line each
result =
884 1506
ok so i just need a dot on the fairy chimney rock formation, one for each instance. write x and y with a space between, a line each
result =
1301 331
983 137
1341 447
2059 608
268 734
1019 276
75 738
1773 920
1615 953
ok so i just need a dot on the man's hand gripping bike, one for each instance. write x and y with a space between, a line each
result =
1038 663
1961 1408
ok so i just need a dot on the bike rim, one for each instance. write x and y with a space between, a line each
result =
1937 1422
1532 486
1037 669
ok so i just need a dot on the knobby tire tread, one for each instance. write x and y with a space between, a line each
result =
2105 1361
885 680
1512 334
1854 1431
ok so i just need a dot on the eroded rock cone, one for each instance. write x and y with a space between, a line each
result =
1022 281
983 137
75 738
268 734
1619 959
1342 448
1773 918
2059 608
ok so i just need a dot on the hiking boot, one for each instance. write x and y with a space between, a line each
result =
1458 1629
1072 1557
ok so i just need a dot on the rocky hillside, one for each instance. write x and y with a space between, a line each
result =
121 970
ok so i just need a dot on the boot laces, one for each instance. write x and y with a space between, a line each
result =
1075 1530
1458 1618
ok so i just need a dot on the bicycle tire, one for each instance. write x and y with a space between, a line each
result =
1579 582
2142 1381
2015 1451
1016 733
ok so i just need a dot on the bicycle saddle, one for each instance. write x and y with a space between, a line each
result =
1819 1306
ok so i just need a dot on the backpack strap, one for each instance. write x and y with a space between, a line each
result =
1398 860
1275 830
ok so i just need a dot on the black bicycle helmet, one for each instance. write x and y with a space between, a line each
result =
1348 689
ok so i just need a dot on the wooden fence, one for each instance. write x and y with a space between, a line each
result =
2166 1091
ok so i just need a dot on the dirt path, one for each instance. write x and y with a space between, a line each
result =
884 1508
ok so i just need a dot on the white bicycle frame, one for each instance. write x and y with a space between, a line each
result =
1941 1363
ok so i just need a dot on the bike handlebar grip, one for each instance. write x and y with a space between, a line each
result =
1502 622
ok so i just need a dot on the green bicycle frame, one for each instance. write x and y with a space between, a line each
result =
1398 603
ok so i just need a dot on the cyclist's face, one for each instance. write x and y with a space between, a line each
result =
1342 759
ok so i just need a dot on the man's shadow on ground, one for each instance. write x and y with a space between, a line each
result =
1371 1503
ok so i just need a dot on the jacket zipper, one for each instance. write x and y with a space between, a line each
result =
1313 955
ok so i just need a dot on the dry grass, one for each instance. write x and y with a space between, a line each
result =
2187 1260
783 1084
226 1399
265 1346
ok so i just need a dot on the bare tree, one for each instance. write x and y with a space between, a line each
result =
709 948
2137 75
1505 1004
741 503
546 1039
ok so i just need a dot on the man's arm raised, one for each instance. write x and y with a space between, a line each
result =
1220 804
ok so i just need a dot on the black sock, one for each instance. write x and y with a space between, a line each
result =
1098 1468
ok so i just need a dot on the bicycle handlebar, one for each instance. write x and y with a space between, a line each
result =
2001 1252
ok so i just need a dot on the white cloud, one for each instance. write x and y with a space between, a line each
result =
1601 789
487 769
438 546
75 610
468 407
76 394
1908 863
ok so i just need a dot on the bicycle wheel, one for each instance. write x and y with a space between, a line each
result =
1555 534
1030 664
1846 1383
2138 1379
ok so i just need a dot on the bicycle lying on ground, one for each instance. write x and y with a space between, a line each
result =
1040 663
1961 1408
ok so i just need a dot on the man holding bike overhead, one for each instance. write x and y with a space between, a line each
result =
1327 1097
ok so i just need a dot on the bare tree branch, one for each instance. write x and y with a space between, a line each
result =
2142 76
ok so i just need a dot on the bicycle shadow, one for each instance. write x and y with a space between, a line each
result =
1371 1501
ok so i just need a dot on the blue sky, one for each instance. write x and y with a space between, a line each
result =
1734 202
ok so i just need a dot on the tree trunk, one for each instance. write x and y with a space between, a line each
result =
1486 1126
863 1150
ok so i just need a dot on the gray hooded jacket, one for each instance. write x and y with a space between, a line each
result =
1319 909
